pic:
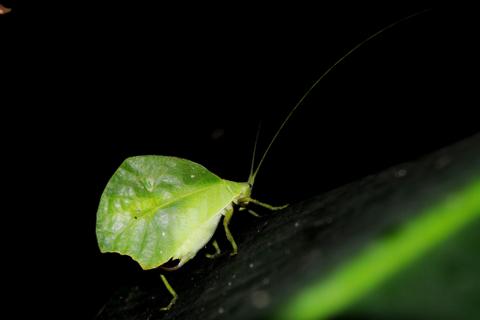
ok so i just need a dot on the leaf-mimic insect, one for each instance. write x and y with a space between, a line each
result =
158 208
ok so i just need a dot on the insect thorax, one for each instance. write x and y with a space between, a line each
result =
241 192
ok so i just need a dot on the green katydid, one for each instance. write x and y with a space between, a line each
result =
158 208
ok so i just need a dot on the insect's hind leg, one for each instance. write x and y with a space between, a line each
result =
265 205
172 292
226 220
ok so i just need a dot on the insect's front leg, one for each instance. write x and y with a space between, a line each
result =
243 208
228 215
265 205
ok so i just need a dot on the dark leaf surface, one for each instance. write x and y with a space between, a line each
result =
283 253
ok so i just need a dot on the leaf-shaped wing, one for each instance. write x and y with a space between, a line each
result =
154 206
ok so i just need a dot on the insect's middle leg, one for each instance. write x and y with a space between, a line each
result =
217 251
226 220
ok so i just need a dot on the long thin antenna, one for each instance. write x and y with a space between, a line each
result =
251 179
250 176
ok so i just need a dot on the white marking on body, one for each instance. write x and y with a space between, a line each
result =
164 219
149 184
165 195
169 179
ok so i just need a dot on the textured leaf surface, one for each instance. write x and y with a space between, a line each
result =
155 208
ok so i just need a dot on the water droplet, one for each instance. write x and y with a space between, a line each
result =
220 310
234 276
442 162
163 233
401 173
297 224
229 284
251 265
192 176
260 299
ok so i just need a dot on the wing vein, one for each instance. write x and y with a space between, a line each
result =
155 209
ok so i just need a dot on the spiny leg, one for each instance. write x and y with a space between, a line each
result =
270 207
226 220
172 292
217 251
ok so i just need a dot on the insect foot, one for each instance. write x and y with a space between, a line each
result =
172 292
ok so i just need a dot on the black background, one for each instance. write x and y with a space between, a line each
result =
83 86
